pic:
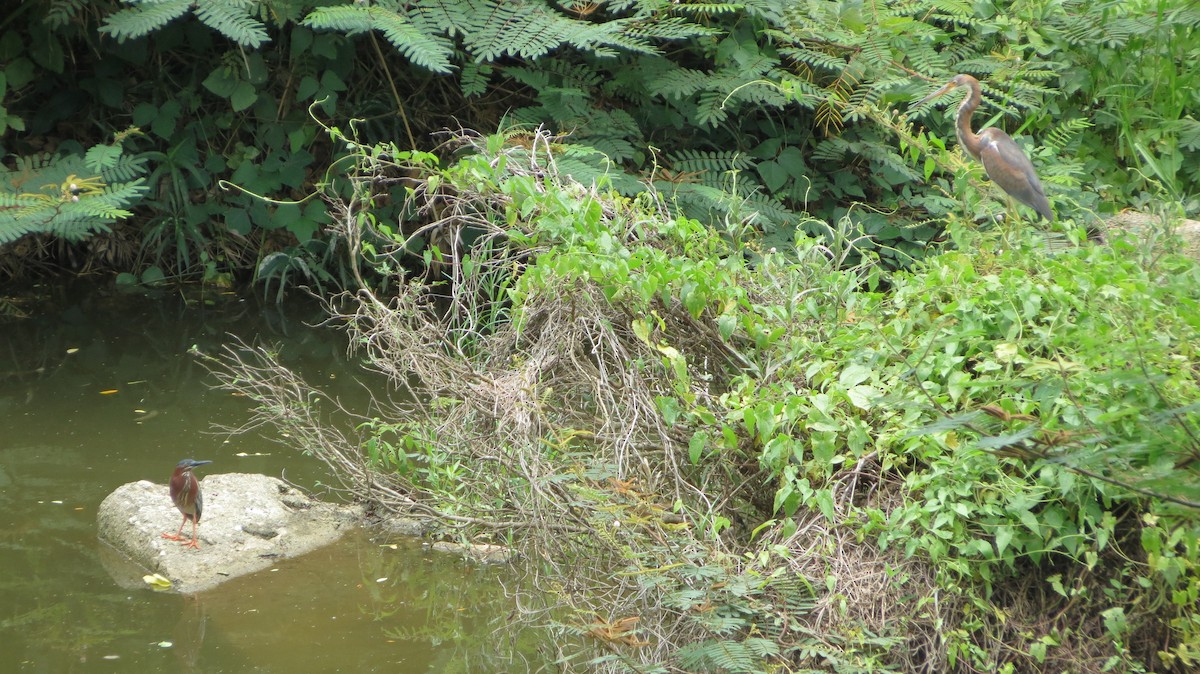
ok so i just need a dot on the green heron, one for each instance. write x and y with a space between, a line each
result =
185 492
1002 158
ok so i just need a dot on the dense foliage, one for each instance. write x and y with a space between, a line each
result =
987 463
693 328
765 114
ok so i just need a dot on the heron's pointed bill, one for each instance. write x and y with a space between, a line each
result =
948 87
191 463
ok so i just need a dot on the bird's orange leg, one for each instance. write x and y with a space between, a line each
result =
195 542
177 536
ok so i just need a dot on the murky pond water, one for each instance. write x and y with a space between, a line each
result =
96 390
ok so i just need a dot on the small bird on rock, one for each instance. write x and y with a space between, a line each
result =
185 492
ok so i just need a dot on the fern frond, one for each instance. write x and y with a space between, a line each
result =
953 12
101 157
429 51
124 193
832 149
62 12
925 59
768 212
816 59
762 648
612 132
124 169
231 19
694 161
427 48
677 83
597 170
13 228
889 162
707 9
800 90
670 28
349 19
877 52
452 17
558 73
144 18
1063 133
14 200
954 8
1081 29
710 108
716 654
75 228
474 79
526 31
62 195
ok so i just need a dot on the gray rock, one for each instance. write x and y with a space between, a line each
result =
1148 225
249 523
402 526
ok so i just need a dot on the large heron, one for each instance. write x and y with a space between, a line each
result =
1002 158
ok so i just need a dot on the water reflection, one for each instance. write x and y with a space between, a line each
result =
97 389
329 612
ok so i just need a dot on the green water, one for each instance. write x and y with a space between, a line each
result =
96 390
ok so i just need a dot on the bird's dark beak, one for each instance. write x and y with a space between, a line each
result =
199 463
935 94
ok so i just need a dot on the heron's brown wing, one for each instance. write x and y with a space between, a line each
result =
182 497
1009 168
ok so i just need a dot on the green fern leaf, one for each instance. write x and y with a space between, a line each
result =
677 83
670 28
420 47
710 108
63 195
416 40
124 169
349 19
1064 133
230 18
147 16
474 79
692 161
100 157
527 30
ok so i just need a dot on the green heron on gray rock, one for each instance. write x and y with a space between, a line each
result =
185 492
1002 158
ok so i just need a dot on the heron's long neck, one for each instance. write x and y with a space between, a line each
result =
966 137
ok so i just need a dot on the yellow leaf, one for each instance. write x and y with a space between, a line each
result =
156 581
